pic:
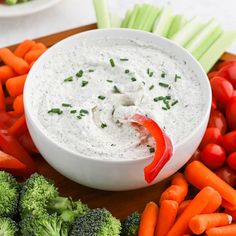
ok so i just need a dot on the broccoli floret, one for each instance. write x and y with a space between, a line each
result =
47 225
8 227
97 222
130 225
9 195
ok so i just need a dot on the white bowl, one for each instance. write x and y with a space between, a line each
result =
114 174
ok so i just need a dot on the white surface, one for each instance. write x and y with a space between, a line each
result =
26 8
112 174
73 13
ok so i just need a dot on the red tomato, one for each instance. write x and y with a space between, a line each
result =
213 104
229 142
218 120
229 73
222 89
231 113
225 63
232 160
228 175
212 74
213 156
212 135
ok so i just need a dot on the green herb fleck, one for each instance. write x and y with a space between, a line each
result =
156 99
55 111
163 74
164 108
166 102
164 85
83 111
177 77
168 97
151 74
101 97
80 73
79 117
66 105
124 59
84 83
91 70
115 89
143 82
103 125
174 103
133 79
148 71
109 81
112 62
69 79
151 150
73 111
151 87
126 71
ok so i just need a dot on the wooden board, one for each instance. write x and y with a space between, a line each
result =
119 203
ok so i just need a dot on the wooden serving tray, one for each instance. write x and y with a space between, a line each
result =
120 204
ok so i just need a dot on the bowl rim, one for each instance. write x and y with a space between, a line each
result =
37 125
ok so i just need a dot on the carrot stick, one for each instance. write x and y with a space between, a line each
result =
16 63
180 180
228 205
15 85
23 48
200 176
167 215
200 223
19 127
232 213
196 206
18 104
229 230
213 205
39 46
183 205
6 72
35 52
2 99
148 220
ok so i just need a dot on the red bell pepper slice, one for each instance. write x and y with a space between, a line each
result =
164 147
26 141
2 99
19 127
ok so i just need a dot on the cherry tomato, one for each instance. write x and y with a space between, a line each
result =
213 156
232 160
225 63
231 113
222 89
229 142
228 175
229 73
212 135
218 120
213 104
212 74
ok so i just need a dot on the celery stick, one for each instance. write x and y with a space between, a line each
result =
115 21
140 15
188 31
146 13
102 13
214 53
125 22
198 52
164 22
148 24
133 16
178 22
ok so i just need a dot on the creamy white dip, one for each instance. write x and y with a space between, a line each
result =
116 79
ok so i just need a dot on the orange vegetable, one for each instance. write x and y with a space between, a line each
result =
15 85
148 220
229 230
35 52
232 213
196 206
9 100
167 216
2 99
16 63
179 179
18 104
23 48
200 223
19 127
213 205
183 205
200 176
6 72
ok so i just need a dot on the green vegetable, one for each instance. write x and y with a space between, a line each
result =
8 227
149 23
11 2
97 222
125 22
163 22
9 195
146 11
139 17
217 49
177 23
102 13
130 225
133 16
115 21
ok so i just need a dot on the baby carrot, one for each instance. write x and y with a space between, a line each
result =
6 72
196 206
183 205
200 176
232 213
16 63
180 180
15 85
2 99
229 230
213 205
200 223
18 104
148 220
35 52
23 48
167 214
19 127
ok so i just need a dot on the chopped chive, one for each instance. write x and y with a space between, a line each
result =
151 150
73 111
151 87
156 99
163 74
84 83
112 62
164 85
148 71
133 79
83 111
177 77
115 89
103 125
174 103
168 97
80 73
79 117
164 108
126 71
55 111
124 59
109 81
66 105
69 79
101 97
151 74
91 70
167 104
143 82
